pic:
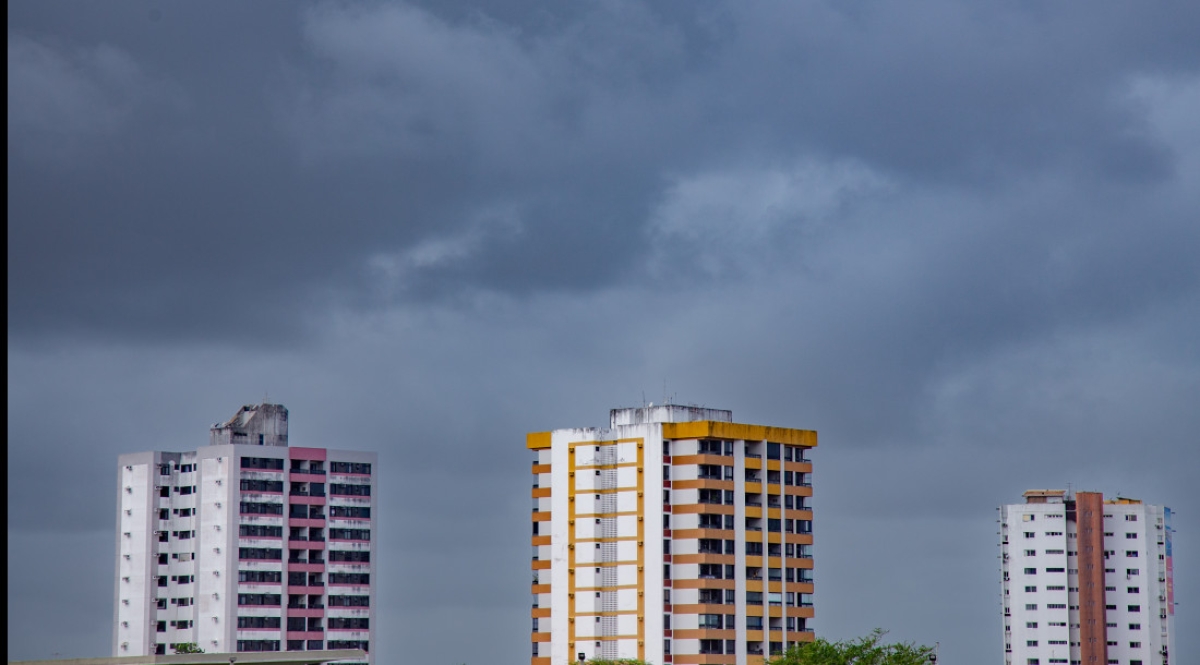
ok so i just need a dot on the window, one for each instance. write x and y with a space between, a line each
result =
1056 570
1031 643
353 512
340 489
263 553
264 576
1131 553
1131 589
1031 589
1054 551
1135 626
1029 534
1135 645
257 645
1054 533
254 508
1031 606
266 463
1131 536
349 623
259 531
249 599
258 622
1135 608
360 468
357 556
1131 518
1028 518
248 485
1031 571
1031 624
349 578
1030 552
1056 606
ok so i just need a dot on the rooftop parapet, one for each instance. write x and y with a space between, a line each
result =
667 413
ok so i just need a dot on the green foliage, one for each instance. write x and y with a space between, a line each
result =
866 650
187 647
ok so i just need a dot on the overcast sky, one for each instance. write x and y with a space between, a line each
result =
960 239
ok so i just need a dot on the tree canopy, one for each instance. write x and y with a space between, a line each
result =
187 647
866 650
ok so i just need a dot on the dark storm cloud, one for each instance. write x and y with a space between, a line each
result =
316 142
958 239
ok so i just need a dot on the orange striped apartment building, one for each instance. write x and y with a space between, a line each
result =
674 536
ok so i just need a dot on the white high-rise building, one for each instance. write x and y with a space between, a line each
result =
675 535
1086 581
246 544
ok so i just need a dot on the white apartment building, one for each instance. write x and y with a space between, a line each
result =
674 536
1086 581
246 545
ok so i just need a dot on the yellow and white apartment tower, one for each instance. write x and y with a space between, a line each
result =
674 536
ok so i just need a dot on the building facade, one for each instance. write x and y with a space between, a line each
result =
245 545
675 535
1086 581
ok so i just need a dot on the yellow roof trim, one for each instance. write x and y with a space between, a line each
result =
537 440
705 429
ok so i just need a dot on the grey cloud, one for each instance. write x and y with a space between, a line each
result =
400 127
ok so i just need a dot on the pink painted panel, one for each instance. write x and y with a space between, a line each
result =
307 453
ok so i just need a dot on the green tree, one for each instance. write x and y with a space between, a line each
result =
187 647
867 650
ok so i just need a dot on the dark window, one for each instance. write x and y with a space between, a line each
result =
350 467
262 485
340 489
349 578
268 463
258 622
260 530
264 576
267 553
257 645
349 601
353 512
356 556
269 599
253 508
353 623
